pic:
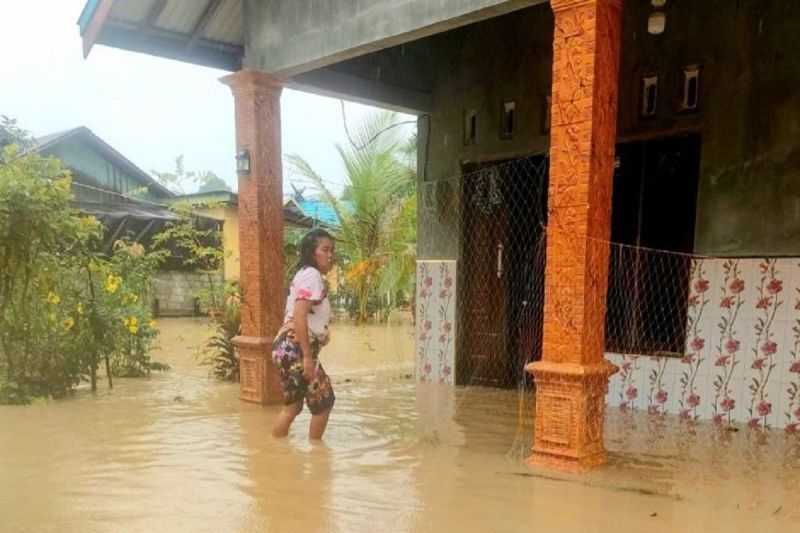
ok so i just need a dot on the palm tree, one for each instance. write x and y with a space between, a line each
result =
377 209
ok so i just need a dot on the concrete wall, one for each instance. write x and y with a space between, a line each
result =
469 76
292 36
176 291
749 121
749 193
507 58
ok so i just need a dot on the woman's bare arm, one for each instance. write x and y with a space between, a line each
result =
301 334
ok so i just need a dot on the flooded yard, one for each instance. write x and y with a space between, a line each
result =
180 452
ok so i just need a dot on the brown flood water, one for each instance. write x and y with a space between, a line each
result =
180 452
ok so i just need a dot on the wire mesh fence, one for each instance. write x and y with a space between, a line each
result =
697 341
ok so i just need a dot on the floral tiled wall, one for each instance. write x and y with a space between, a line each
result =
435 328
742 357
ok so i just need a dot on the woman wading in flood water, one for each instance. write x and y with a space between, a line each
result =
304 332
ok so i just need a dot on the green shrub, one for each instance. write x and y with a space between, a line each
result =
64 309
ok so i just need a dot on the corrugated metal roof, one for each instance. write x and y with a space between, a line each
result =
227 26
319 211
181 16
131 11
204 32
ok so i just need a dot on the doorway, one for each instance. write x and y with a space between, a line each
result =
502 269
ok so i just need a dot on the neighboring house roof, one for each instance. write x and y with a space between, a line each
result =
217 197
86 136
293 214
316 210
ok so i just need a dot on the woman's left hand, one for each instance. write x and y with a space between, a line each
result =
289 326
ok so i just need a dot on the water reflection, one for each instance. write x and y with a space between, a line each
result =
179 452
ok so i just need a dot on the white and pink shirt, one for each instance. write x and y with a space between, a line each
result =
308 285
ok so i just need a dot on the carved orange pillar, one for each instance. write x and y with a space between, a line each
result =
258 129
572 376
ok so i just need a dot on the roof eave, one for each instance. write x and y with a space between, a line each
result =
91 21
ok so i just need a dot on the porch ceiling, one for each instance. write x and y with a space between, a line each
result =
289 37
358 51
203 32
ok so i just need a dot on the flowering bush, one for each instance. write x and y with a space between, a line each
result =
129 277
62 306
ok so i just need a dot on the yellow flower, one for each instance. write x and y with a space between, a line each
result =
153 324
52 317
90 223
133 298
79 309
68 323
62 185
132 323
53 298
112 283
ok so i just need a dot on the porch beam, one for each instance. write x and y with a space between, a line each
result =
172 45
256 97
328 82
572 376
290 38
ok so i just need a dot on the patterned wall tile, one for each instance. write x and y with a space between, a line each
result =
435 330
742 358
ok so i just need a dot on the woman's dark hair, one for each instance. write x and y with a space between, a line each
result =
308 246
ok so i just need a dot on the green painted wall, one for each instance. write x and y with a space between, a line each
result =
92 168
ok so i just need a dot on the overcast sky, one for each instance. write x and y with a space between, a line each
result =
149 109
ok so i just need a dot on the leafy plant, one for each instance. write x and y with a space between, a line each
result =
377 211
194 243
63 306
179 178
219 352
129 281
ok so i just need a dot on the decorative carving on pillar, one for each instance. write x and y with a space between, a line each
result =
258 129
573 374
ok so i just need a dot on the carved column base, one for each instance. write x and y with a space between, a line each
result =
570 406
258 378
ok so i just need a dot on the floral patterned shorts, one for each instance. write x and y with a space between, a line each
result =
288 359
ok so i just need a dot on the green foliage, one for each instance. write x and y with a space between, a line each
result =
11 133
219 352
212 182
37 235
129 278
377 210
196 245
62 306
177 180
291 251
